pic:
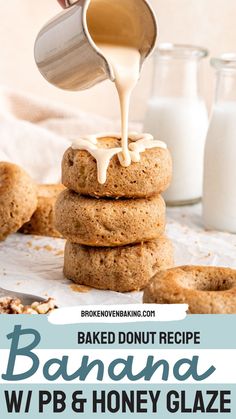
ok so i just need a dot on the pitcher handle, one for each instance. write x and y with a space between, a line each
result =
67 3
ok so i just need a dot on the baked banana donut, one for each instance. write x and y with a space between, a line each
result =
151 176
120 269
42 221
207 290
18 198
109 222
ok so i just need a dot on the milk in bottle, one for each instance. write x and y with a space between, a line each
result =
219 198
177 115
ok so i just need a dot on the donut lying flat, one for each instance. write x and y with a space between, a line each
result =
120 269
18 198
42 221
109 222
207 290
151 176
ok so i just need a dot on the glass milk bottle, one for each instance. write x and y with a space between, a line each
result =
219 198
177 115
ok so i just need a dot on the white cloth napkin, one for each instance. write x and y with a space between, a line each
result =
34 133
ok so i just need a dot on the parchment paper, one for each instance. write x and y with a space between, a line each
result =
34 265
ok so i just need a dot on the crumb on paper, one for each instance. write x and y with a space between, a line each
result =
10 305
48 248
59 253
80 288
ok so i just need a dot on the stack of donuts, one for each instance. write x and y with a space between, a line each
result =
115 231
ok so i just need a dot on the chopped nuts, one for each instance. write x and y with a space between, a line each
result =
10 305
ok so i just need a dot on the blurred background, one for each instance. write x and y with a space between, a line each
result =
208 23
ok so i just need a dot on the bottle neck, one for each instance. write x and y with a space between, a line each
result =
178 78
226 85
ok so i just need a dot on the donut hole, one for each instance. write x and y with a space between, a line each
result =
108 142
211 282
216 284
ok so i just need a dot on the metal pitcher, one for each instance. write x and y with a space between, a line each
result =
66 53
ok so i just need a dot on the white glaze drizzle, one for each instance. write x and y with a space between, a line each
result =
103 156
